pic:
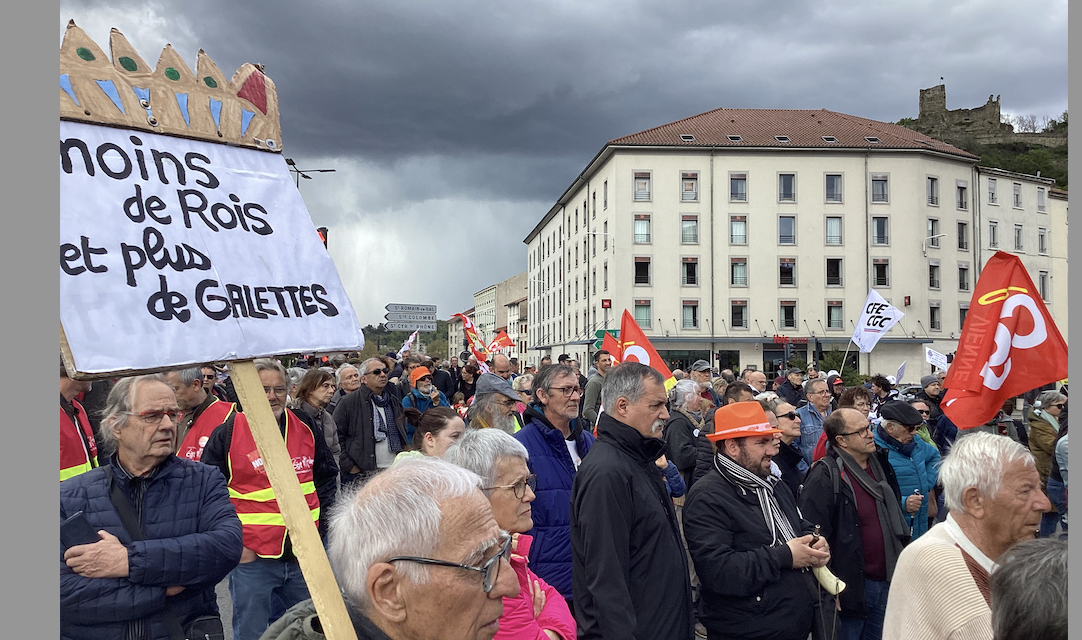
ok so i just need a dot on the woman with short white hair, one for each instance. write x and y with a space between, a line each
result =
1043 430
538 610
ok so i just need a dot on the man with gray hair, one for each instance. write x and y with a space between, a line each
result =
348 379
1029 592
941 583
812 415
630 569
417 555
494 405
202 411
371 426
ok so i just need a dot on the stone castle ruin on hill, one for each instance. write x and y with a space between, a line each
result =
982 125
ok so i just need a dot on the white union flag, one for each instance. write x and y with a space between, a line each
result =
877 317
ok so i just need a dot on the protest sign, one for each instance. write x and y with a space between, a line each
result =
935 358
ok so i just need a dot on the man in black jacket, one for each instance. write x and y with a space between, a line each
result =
852 493
750 547
629 572
792 390
371 427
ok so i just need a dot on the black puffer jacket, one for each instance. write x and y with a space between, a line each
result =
749 588
682 445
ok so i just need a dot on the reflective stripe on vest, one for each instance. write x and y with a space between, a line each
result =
250 489
74 457
215 414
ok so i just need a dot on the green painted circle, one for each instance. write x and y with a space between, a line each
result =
128 63
172 74
84 53
209 81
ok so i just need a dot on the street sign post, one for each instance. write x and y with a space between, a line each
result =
410 317
600 335
410 308
425 327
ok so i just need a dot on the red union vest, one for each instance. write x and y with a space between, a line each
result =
74 456
215 414
250 489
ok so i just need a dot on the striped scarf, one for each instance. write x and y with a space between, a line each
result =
781 530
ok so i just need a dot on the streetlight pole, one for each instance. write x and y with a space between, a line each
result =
924 244
303 173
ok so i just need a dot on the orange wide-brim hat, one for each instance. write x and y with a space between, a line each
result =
418 373
740 420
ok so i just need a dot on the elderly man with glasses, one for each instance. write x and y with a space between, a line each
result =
812 415
915 462
852 494
437 570
268 568
371 426
557 441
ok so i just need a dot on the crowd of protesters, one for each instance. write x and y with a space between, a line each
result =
723 507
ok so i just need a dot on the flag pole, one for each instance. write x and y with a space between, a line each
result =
846 356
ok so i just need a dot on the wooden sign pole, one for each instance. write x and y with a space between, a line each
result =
287 490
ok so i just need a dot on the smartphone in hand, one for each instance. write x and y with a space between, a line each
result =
76 530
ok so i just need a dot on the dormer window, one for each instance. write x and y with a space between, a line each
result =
829 139
782 138
687 137
735 138
872 139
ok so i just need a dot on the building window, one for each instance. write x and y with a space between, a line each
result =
738 314
689 271
993 234
933 276
963 278
577 217
1042 241
834 230
788 314
605 236
787 272
738 272
880 230
963 311
605 195
1018 237
738 230
642 314
642 229
738 187
962 196
935 318
992 198
933 231
963 236
1042 284
593 281
689 229
879 189
881 272
1040 198
933 191
605 277
642 270
593 209
577 255
834 315
690 314
786 229
786 187
642 186
834 187
1017 195
689 186
834 272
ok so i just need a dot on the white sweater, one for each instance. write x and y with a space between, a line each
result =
933 595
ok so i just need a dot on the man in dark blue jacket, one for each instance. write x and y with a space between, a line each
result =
557 442
154 582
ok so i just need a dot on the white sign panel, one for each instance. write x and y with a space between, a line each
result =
412 326
411 308
410 317
877 317
901 372
176 251
935 358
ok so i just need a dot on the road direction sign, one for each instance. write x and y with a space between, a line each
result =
425 327
410 317
410 308
600 335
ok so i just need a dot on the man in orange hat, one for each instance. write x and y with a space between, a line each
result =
423 395
751 548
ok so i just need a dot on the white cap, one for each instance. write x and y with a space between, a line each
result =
833 372
892 380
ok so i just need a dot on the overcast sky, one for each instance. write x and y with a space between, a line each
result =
454 126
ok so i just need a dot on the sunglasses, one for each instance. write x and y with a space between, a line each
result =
1059 405
377 372
791 415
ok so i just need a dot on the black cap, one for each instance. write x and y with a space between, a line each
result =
900 412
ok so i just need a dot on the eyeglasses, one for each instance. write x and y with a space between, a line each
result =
859 432
376 372
155 417
924 412
278 391
791 415
824 392
489 571
519 487
1059 405
210 376
566 391
423 378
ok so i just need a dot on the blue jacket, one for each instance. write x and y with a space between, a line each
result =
192 538
550 555
811 427
422 403
919 470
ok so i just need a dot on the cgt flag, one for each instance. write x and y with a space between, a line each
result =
635 346
1009 345
610 344
476 344
876 319
501 342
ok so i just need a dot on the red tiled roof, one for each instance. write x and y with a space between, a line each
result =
804 128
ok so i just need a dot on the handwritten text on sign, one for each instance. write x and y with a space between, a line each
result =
175 251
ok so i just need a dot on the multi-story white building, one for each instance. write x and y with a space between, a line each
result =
517 327
732 232
456 336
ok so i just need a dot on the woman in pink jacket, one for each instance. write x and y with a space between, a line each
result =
538 612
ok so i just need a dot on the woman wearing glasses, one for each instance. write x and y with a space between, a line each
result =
1043 429
312 394
789 461
538 611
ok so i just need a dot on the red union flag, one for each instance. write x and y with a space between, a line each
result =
476 344
635 346
609 343
501 342
1009 345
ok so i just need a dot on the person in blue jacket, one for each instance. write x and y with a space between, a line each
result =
915 462
557 443
155 581
423 395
